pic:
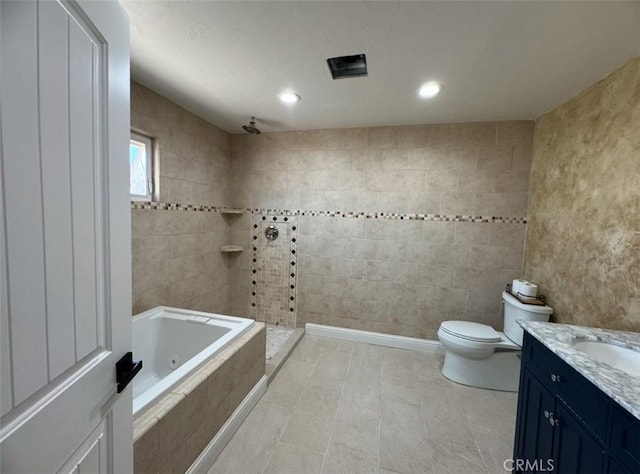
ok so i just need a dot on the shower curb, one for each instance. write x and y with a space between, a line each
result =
379 339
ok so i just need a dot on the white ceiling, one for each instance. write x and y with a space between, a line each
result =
226 61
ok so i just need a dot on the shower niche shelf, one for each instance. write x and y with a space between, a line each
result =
231 248
232 211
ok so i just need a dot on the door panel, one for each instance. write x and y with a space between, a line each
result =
84 112
56 186
66 317
23 200
91 456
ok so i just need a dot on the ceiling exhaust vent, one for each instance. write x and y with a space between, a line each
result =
348 66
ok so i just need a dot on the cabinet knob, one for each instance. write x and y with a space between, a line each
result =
547 414
553 421
555 378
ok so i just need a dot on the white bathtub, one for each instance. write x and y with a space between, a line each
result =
173 343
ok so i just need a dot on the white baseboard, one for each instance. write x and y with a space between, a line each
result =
209 454
377 338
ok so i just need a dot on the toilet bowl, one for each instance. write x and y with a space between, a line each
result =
479 356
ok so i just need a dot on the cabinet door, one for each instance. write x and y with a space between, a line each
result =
575 450
534 435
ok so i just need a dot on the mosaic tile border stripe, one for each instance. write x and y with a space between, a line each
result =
169 206
343 214
257 229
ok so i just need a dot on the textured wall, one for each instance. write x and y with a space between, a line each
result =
175 253
388 274
583 240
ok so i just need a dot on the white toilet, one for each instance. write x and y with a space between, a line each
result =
479 356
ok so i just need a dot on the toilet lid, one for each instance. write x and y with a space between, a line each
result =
472 331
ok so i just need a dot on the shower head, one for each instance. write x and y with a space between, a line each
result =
251 128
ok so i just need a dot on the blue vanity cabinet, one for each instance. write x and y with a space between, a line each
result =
575 450
549 438
536 440
564 418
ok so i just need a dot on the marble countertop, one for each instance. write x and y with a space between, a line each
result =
619 385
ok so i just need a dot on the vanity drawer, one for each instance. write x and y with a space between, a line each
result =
625 439
583 398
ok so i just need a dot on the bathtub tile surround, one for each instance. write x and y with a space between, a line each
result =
175 254
400 227
172 434
381 410
583 241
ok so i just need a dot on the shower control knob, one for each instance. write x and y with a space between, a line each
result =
271 232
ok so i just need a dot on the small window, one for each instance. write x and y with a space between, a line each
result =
141 167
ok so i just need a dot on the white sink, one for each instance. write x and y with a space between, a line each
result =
616 356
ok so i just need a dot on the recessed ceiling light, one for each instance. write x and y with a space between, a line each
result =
289 97
429 90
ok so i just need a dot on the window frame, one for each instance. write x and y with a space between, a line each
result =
150 143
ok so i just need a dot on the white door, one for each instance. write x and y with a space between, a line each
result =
65 286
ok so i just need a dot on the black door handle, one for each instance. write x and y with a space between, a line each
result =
126 370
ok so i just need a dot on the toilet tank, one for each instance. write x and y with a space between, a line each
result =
515 311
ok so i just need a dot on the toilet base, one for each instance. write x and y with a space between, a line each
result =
500 371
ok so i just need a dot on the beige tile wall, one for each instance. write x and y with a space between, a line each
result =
387 275
477 168
394 276
175 254
404 277
194 154
583 241
240 277
176 260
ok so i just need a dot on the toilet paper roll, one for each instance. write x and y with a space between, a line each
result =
528 289
516 285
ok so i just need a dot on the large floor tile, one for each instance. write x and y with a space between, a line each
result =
357 408
342 460
427 367
362 437
290 459
367 356
250 449
331 370
495 441
308 430
404 447
445 418
289 383
412 392
397 366
450 457
320 400
311 348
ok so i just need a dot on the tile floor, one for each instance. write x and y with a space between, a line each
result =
343 407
